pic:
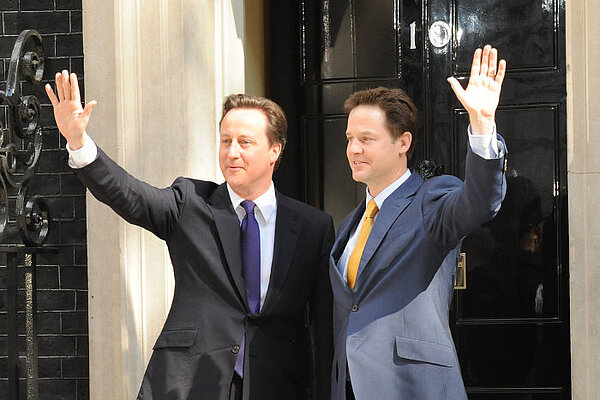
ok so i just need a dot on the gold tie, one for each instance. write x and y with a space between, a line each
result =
365 230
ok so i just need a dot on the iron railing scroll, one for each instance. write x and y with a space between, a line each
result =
20 149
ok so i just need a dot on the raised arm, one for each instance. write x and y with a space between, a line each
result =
137 202
71 118
482 94
452 209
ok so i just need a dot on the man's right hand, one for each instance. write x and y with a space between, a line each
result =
71 118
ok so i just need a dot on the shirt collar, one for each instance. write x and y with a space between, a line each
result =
385 193
266 204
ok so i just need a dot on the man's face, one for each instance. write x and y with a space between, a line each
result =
246 157
375 157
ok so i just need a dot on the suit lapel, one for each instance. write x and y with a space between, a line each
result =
341 240
286 240
391 209
228 226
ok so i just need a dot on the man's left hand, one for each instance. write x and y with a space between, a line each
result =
482 94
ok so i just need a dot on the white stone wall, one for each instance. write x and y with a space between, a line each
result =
583 132
159 70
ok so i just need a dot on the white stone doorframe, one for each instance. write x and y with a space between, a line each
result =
583 142
159 71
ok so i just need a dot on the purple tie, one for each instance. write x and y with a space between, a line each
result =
250 244
251 256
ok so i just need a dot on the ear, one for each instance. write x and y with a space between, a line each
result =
404 141
275 153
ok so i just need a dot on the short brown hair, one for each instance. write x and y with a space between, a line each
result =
276 120
400 111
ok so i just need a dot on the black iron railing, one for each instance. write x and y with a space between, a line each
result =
20 149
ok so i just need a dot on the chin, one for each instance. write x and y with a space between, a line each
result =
234 181
238 187
358 177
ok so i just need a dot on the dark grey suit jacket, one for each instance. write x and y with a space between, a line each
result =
288 343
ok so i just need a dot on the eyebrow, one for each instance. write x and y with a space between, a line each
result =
239 137
359 133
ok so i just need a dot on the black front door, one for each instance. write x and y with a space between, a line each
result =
511 322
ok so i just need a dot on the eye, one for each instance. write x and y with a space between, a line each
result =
226 141
245 142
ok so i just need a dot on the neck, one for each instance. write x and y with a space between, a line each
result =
251 193
377 187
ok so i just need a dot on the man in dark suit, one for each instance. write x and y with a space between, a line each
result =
251 312
394 257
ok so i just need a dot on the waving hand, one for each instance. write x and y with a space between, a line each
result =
71 118
482 94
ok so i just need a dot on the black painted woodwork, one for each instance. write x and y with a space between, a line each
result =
511 325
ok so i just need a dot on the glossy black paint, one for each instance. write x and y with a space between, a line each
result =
511 325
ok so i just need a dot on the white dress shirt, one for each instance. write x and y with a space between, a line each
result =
84 155
485 146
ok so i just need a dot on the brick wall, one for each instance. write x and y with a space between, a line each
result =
62 278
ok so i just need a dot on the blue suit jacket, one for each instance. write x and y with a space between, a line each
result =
392 331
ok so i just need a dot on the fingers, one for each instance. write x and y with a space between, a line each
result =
51 95
485 64
492 63
67 88
66 85
59 86
485 60
75 96
456 88
476 65
501 72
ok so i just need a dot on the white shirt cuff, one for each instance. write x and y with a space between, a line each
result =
486 146
83 156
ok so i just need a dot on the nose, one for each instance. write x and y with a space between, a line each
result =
234 149
354 147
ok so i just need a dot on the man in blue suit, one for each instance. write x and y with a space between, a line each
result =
392 265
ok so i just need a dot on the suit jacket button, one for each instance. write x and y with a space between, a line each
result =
354 307
235 349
